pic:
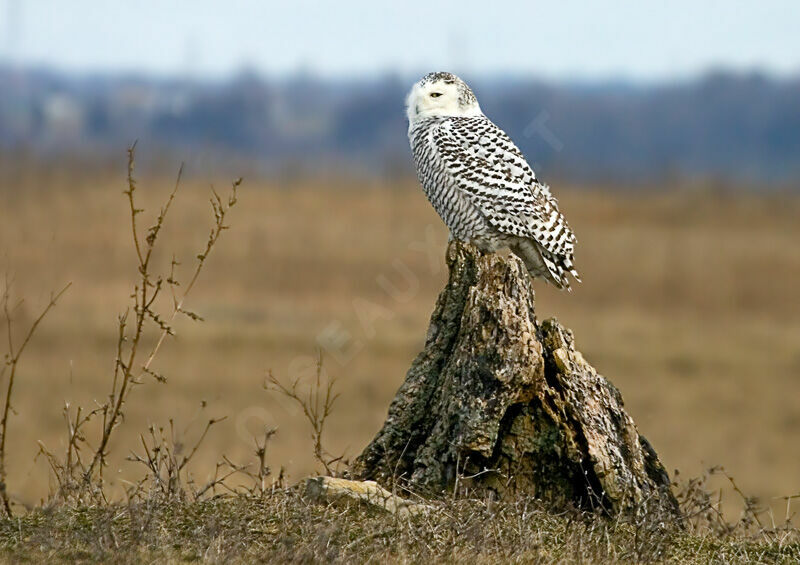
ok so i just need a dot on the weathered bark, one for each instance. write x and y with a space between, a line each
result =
505 400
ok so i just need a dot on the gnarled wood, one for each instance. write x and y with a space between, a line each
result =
511 403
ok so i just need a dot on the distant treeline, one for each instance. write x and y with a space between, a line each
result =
742 127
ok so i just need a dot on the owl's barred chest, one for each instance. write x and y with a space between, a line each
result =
462 216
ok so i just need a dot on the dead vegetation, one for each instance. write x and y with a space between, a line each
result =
11 362
316 402
282 527
79 471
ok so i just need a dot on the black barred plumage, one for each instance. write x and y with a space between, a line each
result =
480 183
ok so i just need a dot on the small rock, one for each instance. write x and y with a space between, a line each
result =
337 491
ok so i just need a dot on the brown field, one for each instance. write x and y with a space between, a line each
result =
689 305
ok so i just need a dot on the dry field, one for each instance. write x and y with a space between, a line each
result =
689 305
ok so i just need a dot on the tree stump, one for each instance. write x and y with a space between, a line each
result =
500 402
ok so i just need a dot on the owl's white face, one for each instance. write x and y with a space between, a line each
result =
440 94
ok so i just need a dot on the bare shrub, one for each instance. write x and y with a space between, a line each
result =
11 363
166 456
316 400
705 516
79 471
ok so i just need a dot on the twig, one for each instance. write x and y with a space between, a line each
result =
220 210
12 362
316 406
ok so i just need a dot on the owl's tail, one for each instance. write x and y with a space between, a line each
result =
543 265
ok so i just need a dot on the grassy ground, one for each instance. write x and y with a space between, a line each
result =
689 306
283 527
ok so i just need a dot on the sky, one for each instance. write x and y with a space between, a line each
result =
619 39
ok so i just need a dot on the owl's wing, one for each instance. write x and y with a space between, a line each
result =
490 170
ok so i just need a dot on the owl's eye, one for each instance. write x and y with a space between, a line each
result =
435 94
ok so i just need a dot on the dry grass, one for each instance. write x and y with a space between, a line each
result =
282 527
689 306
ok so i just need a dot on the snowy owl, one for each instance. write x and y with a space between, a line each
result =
479 182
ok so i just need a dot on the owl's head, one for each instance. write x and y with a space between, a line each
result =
440 94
